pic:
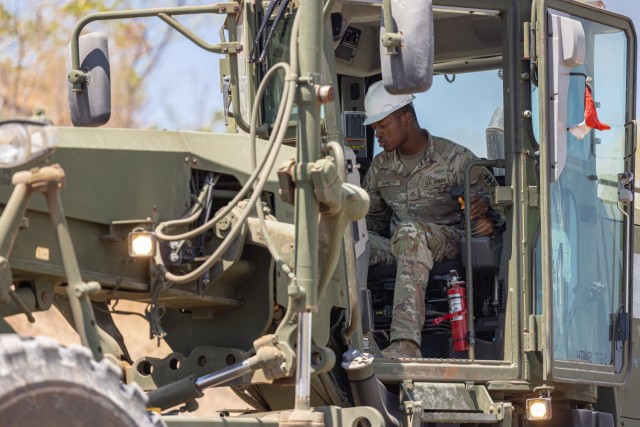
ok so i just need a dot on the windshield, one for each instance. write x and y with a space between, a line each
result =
276 50
467 109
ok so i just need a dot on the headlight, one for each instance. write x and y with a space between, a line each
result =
539 409
142 244
22 141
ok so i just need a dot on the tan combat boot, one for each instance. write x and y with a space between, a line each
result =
402 349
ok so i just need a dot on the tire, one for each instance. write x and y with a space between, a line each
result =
45 384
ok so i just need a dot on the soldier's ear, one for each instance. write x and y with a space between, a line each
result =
406 118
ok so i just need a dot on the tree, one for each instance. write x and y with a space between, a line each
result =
34 39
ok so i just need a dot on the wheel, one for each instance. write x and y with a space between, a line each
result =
45 384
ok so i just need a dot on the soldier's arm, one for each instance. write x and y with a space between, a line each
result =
482 183
379 216
482 180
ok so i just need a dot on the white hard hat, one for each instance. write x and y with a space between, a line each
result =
378 103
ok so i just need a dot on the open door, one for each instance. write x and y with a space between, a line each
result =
587 217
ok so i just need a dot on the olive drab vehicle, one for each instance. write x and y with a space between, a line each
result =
250 247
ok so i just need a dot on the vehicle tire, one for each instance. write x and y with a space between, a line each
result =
43 383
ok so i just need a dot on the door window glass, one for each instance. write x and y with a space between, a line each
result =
587 224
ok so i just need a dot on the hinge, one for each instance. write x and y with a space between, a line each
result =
533 340
534 197
527 41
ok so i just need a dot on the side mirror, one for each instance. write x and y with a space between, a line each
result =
90 84
406 46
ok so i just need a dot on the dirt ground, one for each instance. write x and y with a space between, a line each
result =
52 323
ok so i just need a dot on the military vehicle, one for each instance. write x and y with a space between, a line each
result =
250 246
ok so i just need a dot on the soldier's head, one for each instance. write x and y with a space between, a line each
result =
392 117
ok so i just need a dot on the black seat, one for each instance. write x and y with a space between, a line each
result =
382 281
443 268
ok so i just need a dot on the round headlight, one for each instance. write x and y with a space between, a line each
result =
22 141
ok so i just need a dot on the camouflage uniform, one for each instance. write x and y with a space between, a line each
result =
416 210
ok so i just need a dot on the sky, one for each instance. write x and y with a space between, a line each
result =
630 8
189 76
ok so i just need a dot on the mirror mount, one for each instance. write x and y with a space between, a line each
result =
391 40
77 78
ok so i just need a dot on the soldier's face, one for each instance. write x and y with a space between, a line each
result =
391 131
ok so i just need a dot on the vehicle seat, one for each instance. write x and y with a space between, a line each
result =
382 281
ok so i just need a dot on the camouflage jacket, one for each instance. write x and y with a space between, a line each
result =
421 195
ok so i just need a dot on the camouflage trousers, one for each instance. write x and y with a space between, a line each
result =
414 247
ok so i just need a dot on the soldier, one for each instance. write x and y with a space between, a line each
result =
413 220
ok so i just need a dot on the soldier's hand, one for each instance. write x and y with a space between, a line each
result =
482 226
479 205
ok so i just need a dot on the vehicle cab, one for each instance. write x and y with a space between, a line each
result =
550 300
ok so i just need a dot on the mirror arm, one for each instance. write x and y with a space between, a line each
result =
229 48
390 40
77 77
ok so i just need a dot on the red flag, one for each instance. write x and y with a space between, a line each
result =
590 116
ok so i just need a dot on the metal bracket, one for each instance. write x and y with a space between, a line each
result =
119 230
287 185
625 188
230 48
392 41
534 196
6 279
503 196
534 341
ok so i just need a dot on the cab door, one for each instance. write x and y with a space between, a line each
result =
585 177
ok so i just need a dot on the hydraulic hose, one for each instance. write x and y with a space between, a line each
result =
263 173
190 217
279 128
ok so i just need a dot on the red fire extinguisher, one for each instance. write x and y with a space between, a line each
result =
457 298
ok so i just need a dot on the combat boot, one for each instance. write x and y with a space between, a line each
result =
402 349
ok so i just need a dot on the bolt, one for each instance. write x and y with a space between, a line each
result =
325 93
527 114
186 159
316 358
230 359
224 224
194 161
525 76
223 9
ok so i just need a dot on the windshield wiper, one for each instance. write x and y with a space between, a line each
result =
282 7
